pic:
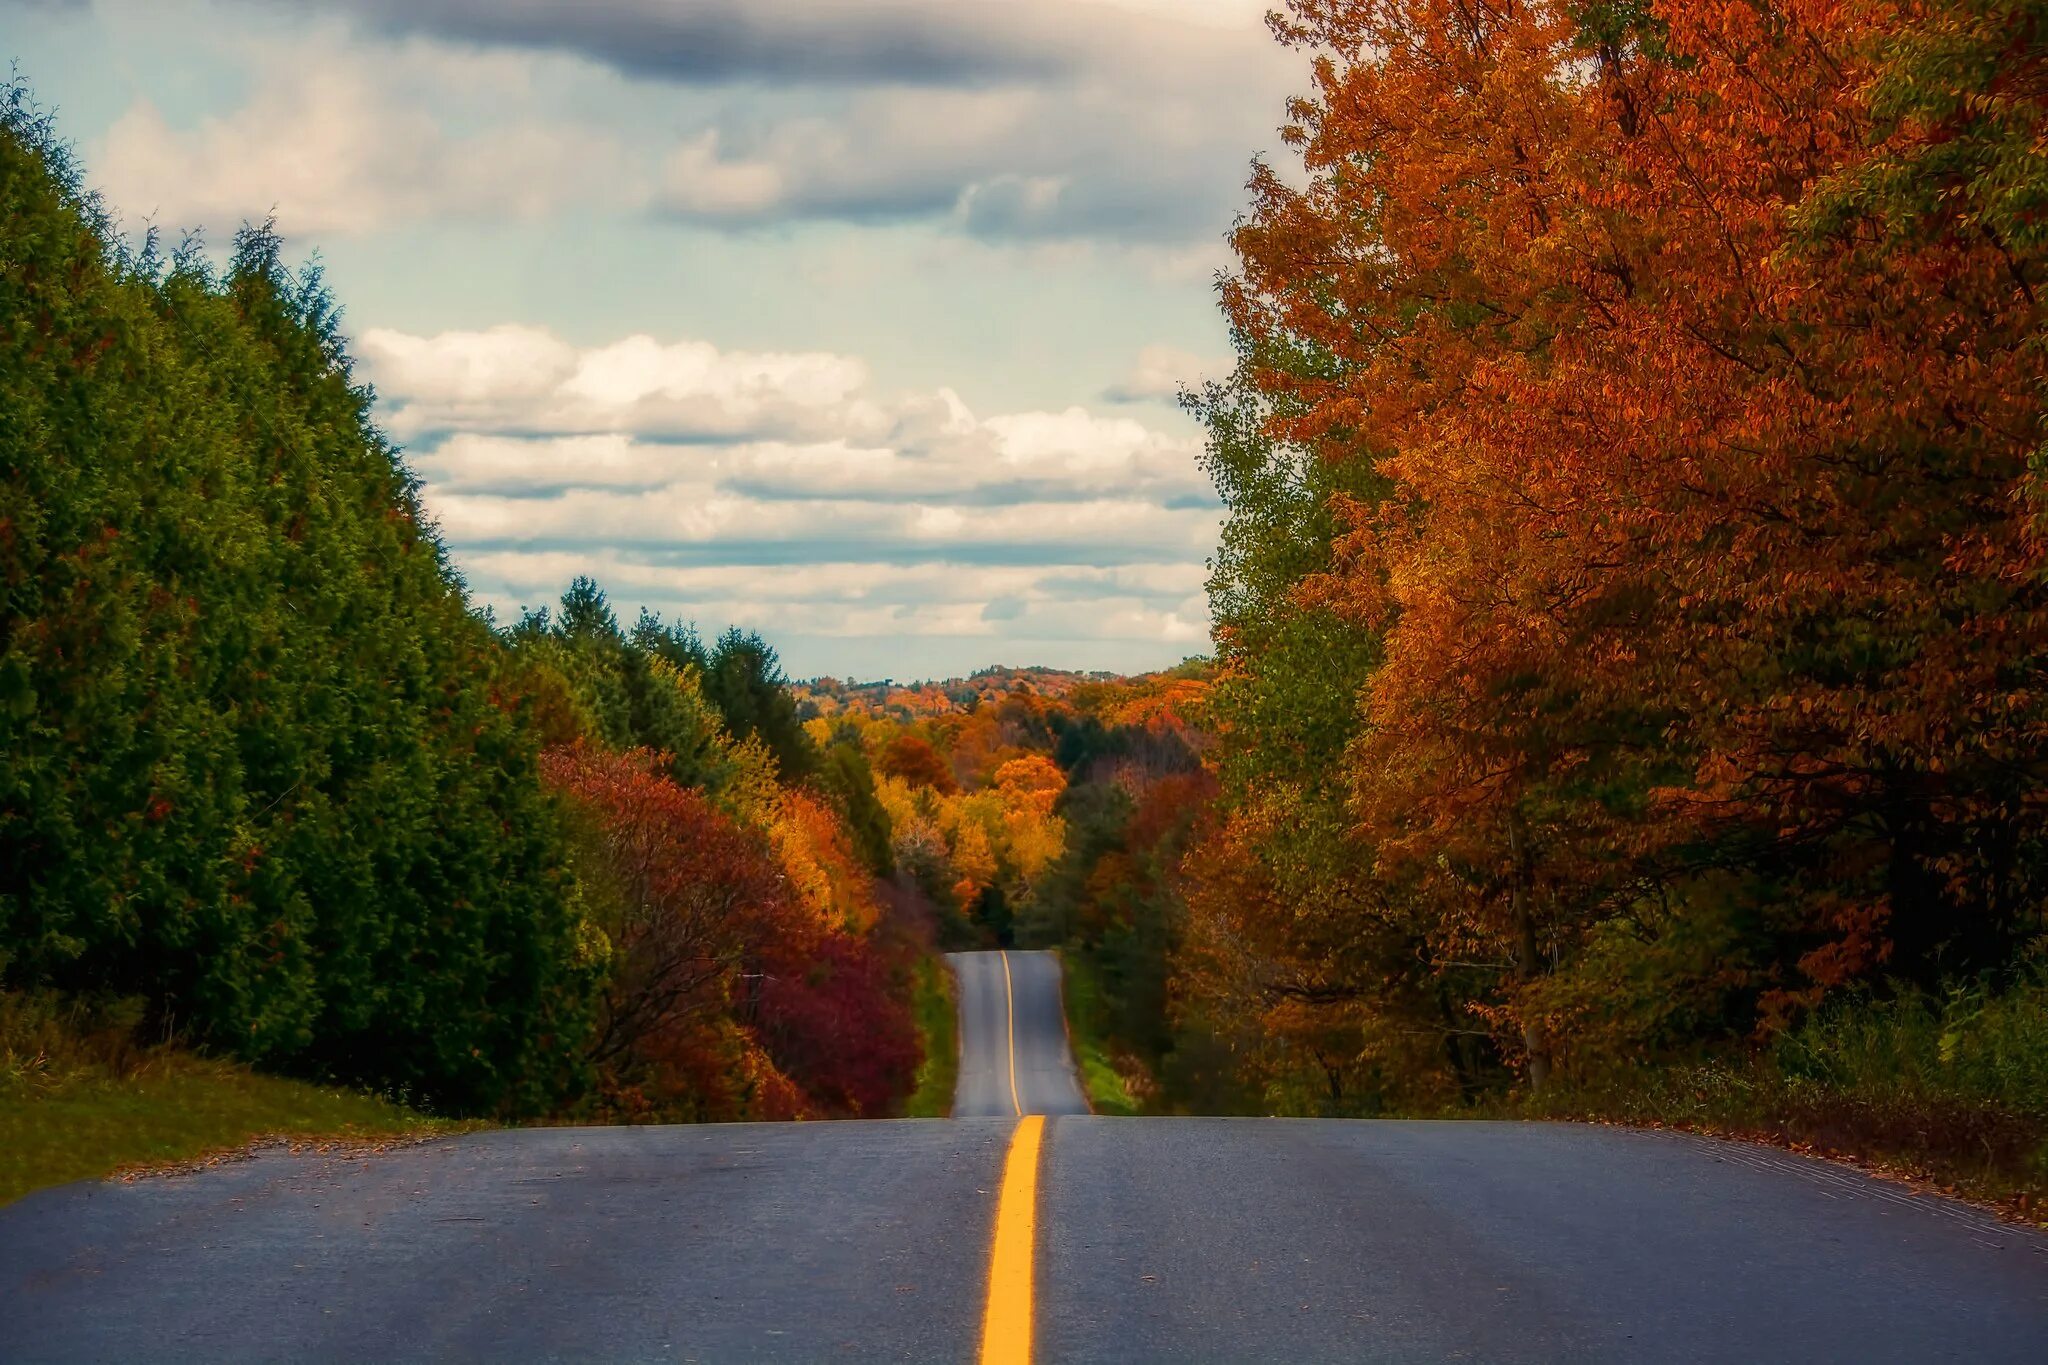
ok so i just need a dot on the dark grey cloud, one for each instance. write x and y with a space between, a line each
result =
1026 120
1017 120
918 42
1162 201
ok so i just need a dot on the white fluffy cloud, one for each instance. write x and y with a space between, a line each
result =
333 148
514 410
525 378
782 491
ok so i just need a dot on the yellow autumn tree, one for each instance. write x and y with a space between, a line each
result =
1029 788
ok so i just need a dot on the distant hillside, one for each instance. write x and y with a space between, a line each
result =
909 700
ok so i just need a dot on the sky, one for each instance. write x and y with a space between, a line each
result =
855 322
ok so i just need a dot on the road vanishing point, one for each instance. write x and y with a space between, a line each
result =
1024 1228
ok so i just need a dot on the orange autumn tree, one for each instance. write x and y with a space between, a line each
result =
991 840
913 759
1704 558
1029 788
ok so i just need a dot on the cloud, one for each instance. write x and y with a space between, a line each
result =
1151 156
1098 120
853 599
781 490
887 42
700 517
331 149
883 154
1162 372
528 381
515 410
1101 121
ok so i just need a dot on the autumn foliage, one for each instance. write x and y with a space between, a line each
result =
687 901
915 761
1656 388
727 992
1043 809
743 967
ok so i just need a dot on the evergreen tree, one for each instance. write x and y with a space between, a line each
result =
253 765
744 678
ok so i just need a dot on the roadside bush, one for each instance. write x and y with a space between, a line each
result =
837 1018
1950 1085
47 1039
1972 1046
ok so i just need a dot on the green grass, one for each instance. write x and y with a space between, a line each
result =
78 1101
938 1024
1107 1090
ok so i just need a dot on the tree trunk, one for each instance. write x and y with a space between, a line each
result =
1528 958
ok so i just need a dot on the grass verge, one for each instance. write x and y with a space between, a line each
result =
78 1101
1107 1090
1946 1090
1930 1146
938 1025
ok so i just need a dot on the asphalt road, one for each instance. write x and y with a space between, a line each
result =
1194 1239
1012 1029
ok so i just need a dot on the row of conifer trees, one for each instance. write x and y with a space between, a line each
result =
261 764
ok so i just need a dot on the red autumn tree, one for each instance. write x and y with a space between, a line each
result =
683 896
834 1013
726 994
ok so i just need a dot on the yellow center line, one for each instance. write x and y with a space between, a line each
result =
1006 1328
1010 1003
